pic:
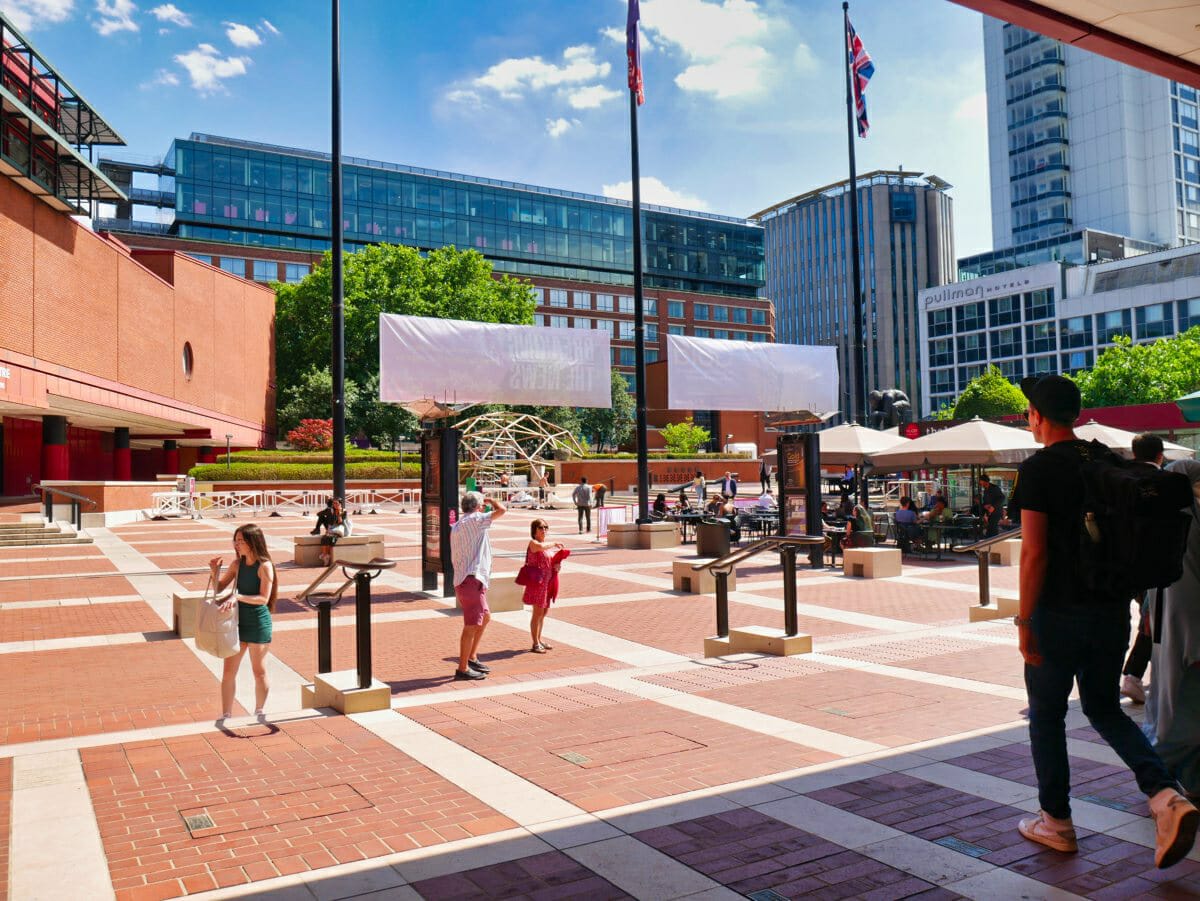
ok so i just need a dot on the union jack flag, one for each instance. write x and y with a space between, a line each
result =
633 52
861 70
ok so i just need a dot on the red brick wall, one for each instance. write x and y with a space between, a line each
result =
16 273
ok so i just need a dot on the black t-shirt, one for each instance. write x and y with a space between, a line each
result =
1050 482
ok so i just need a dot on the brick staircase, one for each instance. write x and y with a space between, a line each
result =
39 534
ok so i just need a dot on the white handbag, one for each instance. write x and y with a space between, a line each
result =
217 629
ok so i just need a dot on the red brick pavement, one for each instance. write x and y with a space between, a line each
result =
1104 867
891 712
961 657
543 876
6 784
83 691
384 802
549 736
734 673
34 623
890 599
681 623
383 600
70 586
998 576
421 655
48 552
750 852
46 567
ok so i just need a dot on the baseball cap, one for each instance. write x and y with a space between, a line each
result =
1054 396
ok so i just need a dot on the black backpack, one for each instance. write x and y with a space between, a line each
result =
1135 523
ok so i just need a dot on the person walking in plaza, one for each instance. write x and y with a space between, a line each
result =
701 486
1147 451
471 557
991 502
764 477
257 589
544 559
729 485
582 496
601 490
1068 634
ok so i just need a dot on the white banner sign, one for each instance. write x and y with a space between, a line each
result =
458 362
710 374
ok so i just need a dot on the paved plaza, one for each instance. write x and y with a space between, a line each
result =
892 762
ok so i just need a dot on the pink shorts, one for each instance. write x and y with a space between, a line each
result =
472 597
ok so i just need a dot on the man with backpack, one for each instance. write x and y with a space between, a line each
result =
1073 626
1147 451
582 496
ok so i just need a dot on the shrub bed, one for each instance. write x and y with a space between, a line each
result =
299 472
663 455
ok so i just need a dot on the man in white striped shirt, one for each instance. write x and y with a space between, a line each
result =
471 557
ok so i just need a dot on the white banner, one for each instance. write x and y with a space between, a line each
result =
458 362
710 374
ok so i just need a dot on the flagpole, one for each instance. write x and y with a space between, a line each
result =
639 313
338 337
859 365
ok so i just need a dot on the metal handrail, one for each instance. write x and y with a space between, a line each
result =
982 550
37 486
76 499
786 545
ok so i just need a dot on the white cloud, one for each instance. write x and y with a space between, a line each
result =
513 77
115 15
556 128
654 191
241 35
163 77
169 12
617 36
465 97
972 109
591 96
207 69
269 28
722 43
29 14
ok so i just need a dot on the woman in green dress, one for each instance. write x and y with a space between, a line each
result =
257 589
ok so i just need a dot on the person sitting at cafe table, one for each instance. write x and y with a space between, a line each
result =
683 505
940 514
766 501
716 506
860 528
906 523
659 510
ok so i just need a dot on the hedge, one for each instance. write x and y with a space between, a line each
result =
295 456
663 455
299 472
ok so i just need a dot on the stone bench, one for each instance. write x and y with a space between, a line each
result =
758 640
1005 553
871 562
686 579
352 549
643 535
623 535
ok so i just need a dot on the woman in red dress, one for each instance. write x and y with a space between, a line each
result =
545 558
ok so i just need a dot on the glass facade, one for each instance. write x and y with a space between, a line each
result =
243 193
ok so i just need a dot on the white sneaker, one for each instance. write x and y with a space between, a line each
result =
1045 830
1132 688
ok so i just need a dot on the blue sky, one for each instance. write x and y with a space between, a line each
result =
744 98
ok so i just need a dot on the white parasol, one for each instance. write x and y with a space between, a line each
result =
974 443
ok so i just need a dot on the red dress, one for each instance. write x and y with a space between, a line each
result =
544 592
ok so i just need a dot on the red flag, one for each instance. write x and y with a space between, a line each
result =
633 52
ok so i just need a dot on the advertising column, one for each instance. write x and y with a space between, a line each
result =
799 457
439 506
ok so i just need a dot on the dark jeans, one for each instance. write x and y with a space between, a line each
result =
1084 644
585 516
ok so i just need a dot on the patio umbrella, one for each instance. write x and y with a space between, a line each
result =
850 444
1121 441
974 443
1189 406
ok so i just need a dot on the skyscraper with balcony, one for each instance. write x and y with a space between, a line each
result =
1079 141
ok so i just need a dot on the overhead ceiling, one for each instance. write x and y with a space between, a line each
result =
1159 36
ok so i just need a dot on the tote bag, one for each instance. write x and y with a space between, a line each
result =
216 629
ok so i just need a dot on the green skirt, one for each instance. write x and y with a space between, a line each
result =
254 623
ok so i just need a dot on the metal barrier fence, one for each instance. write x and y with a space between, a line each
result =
277 500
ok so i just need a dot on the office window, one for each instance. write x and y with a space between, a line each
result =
941 352
703 333
1113 323
625 305
1154 321
758 317
721 334
700 312
234 265
1039 304
1013 370
941 380
969 317
758 336
966 373
1075 332
740 315
941 322
627 357
1005 311
604 303
201 258
972 348
650 306
539 319
904 207
651 331
605 325
739 336
583 322
1076 360
1006 342
676 330
266 271
1189 313
1039 365
675 309
296 272
626 333
581 300
720 314
1040 338
558 297
559 321
651 354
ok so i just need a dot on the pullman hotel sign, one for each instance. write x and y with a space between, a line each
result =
1003 284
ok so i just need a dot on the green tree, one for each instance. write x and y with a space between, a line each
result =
385 278
685 437
989 395
609 427
1129 373
311 397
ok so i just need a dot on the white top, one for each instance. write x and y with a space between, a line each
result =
471 548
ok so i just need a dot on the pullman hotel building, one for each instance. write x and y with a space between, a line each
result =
262 212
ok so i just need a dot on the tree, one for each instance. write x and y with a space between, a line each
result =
685 437
311 397
989 395
384 278
603 427
312 434
1129 373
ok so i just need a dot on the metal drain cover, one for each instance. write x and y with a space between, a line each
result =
199 821
957 844
574 757
767 895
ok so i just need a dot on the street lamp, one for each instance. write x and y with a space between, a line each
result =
228 452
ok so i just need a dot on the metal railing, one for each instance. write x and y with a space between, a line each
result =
786 545
76 501
277 500
983 554
360 575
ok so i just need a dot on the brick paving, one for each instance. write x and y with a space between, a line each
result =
301 796
6 782
36 623
82 586
549 875
948 656
883 597
748 852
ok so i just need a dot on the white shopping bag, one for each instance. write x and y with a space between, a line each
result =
216 629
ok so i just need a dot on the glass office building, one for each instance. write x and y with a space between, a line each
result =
258 195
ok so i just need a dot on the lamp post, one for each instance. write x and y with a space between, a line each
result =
228 452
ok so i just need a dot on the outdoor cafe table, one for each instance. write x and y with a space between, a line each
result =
685 520
941 536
